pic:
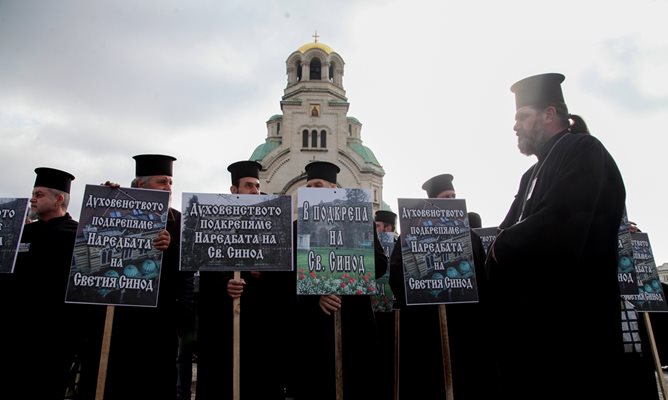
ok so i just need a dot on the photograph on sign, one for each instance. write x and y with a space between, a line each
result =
13 212
335 253
437 253
114 261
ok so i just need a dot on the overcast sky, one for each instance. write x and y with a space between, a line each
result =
85 85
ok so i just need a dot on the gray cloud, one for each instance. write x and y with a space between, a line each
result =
621 87
85 85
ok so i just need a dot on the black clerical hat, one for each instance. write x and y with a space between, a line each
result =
53 179
538 90
153 164
386 216
322 170
437 184
474 220
244 169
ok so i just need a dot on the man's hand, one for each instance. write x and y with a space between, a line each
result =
235 288
329 303
111 184
162 241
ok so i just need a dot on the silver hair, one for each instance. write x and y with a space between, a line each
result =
66 197
140 179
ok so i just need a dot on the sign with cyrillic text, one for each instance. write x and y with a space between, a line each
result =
236 232
114 261
437 253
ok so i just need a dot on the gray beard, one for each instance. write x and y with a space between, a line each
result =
531 144
33 215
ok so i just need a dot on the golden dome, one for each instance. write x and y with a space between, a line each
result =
315 45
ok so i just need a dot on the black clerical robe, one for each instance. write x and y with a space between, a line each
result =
554 275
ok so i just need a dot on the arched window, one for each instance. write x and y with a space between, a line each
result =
331 71
278 128
105 257
299 71
429 260
314 72
314 138
310 138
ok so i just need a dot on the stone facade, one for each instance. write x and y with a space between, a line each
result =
314 125
663 273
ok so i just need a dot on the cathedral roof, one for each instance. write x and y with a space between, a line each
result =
385 206
315 45
364 152
262 150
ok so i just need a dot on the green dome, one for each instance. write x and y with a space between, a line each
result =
364 152
385 206
264 149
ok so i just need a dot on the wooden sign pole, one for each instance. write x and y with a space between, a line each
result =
445 344
338 354
655 355
397 348
104 353
236 335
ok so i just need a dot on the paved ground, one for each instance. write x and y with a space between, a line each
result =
665 380
194 384
664 376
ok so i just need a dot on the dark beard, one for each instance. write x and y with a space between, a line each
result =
533 142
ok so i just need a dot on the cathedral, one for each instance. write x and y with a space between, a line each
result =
315 126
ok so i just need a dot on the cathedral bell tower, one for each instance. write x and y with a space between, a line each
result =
314 125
